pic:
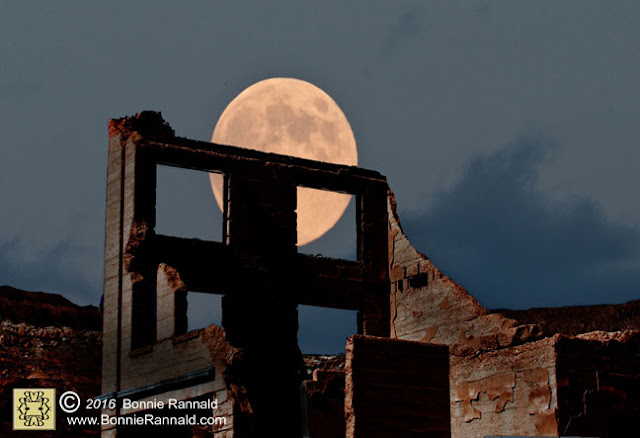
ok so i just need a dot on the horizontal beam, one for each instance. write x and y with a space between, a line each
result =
213 157
213 267
204 266
327 282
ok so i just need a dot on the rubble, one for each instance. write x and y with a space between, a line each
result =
45 343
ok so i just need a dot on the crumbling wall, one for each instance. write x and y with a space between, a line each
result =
510 391
497 368
428 306
509 374
175 355
145 329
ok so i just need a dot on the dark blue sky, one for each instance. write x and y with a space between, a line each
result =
508 131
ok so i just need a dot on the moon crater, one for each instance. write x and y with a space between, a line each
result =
292 117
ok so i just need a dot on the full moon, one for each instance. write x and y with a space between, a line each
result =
292 117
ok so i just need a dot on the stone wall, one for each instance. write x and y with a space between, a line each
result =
509 391
527 373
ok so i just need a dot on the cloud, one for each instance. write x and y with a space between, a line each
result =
510 245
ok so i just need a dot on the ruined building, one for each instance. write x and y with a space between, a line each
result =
428 360
254 369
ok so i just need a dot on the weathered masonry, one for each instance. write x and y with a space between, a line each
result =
428 359
538 372
254 367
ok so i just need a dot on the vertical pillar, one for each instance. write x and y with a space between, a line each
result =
129 221
374 317
113 262
261 315
138 305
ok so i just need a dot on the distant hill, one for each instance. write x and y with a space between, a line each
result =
48 342
43 309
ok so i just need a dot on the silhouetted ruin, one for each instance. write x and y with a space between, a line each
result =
428 359
262 278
